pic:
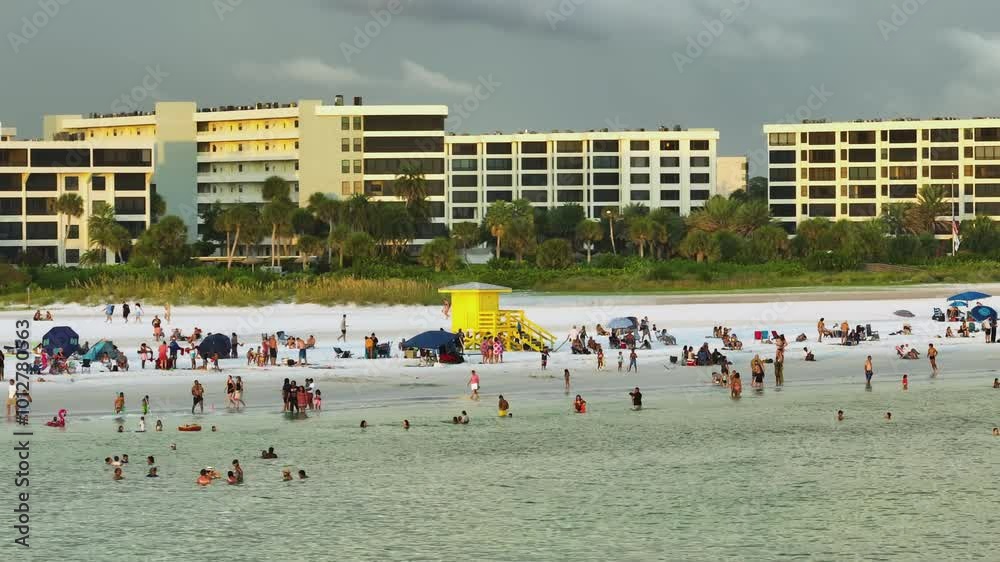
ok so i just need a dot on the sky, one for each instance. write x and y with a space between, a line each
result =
509 65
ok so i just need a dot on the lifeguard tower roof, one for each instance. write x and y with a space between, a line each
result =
475 287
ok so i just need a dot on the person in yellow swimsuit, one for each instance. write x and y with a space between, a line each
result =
502 407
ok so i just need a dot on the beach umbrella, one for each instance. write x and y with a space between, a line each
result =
215 343
432 339
623 323
959 303
981 313
904 313
968 296
61 338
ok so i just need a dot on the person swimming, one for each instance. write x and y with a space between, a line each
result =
118 475
159 425
286 475
121 429
153 472
996 431
150 461
203 478
888 416
142 424
502 406
364 424
464 418
735 386
580 405
302 475
840 415
173 446
406 424
231 478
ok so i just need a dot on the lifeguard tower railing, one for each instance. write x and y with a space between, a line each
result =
519 332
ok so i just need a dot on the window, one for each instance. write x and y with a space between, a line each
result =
700 178
861 209
902 172
10 206
822 192
670 195
401 144
605 162
862 192
902 191
867 173
781 191
823 156
987 153
670 162
41 182
903 136
699 194
902 154
827 210
699 145
606 196
464 196
345 166
988 172
606 178
605 146
492 196
569 196
534 180
13 158
464 165
782 174
670 145
464 181
345 144
403 123
569 146
499 180
10 231
569 162
638 145
944 135
498 148
345 187
988 190
535 196
781 139
130 206
41 231
944 172
670 179
639 179
569 179
357 123
534 163
499 164
699 161
533 147
130 182
988 134
822 174
357 166
73 256
463 212
345 123
464 149
946 153
985 208
785 210
782 157
861 137
823 138
639 161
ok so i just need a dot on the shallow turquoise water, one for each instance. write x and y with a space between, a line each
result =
694 476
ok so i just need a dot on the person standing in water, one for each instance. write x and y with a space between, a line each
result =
502 407
474 385
120 403
932 353
821 328
869 371
632 358
779 361
197 396
636 399
566 380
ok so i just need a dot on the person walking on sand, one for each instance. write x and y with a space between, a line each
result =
474 385
343 329
166 312
109 312
932 353
138 313
126 309
869 371
632 357
197 396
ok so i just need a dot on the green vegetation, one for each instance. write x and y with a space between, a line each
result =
356 250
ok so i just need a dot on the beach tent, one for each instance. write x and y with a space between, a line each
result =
433 340
981 313
623 323
215 343
61 338
968 296
99 349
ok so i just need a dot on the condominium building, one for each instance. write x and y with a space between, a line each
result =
853 170
224 154
598 170
34 174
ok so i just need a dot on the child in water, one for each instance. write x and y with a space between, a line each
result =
318 399
735 386
580 405
906 382
621 360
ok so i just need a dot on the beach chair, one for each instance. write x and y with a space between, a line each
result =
342 354
383 351
938 315
872 335
757 335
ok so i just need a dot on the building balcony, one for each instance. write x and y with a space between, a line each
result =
249 135
272 155
245 177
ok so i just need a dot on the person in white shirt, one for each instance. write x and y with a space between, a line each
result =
142 424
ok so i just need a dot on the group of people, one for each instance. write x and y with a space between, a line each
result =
127 311
491 348
298 398
39 317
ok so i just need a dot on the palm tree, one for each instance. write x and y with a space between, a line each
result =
69 205
640 231
700 245
465 234
555 253
894 216
233 221
309 246
275 187
498 218
359 245
157 206
327 210
751 215
521 237
411 187
105 232
339 237
922 217
589 232
278 214
439 253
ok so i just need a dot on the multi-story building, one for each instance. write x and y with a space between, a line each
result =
7 133
598 170
34 174
731 174
853 170
224 154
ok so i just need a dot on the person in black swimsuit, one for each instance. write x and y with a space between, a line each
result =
636 399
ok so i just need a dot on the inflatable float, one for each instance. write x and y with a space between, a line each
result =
59 421
189 427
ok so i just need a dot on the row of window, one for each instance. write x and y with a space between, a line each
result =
899 191
75 157
40 206
829 210
50 182
573 162
571 196
900 136
541 180
254 125
985 171
204 147
571 146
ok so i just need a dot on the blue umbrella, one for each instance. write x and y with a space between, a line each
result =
968 296
625 323
215 343
981 313
433 339
61 338
959 303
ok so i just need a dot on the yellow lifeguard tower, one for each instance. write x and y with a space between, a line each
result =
475 310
